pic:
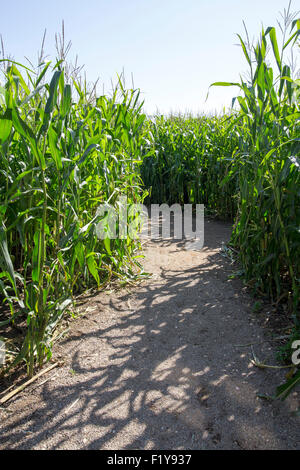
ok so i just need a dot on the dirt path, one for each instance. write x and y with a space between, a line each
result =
160 367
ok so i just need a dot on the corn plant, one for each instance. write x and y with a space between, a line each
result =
60 158
246 166
190 161
267 226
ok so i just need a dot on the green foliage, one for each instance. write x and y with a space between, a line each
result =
192 163
60 158
245 166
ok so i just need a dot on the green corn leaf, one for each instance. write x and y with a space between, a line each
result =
294 36
80 93
17 63
244 50
5 125
79 250
36 267
284 390
272 33
5 259
42 74
92 266
66 102
56 155
25 131
225 84
21 126
13 69
51 102
86 153
107 245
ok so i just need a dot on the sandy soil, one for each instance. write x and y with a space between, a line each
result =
164 366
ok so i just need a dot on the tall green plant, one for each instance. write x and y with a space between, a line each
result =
245 166
60 158
268 119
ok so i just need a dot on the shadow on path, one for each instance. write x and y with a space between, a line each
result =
160 368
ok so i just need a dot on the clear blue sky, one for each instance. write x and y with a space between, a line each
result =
174 48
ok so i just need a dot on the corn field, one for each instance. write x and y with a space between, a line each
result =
245 167
63 154
60 159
